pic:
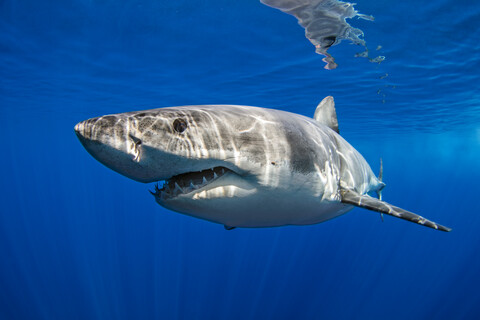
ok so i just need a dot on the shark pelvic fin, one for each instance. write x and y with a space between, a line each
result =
326 114
228 228
367 202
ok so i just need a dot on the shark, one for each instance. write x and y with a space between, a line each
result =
242 166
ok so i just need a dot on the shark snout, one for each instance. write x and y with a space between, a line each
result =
106 139
79 128
93 134
100 129
84 129
86 134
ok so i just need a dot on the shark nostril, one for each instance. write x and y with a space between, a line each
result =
136 141
135 148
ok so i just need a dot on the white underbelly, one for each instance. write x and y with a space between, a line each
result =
260 210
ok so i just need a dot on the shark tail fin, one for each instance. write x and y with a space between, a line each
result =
367 202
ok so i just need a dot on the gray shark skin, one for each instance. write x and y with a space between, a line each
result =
241 166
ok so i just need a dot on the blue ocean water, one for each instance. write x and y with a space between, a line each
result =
79 241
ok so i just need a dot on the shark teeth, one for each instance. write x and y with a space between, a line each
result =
187 182
177 189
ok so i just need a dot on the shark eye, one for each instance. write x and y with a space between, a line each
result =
179 125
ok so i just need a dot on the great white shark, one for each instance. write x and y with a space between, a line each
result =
241 166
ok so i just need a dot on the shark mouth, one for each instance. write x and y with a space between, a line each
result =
188 182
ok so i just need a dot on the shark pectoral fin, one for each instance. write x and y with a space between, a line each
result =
228 228
367 202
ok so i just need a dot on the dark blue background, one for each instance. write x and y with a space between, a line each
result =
78 241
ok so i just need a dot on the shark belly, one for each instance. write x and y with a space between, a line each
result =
260 210
240 203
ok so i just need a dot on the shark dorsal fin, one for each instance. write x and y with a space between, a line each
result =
326 114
